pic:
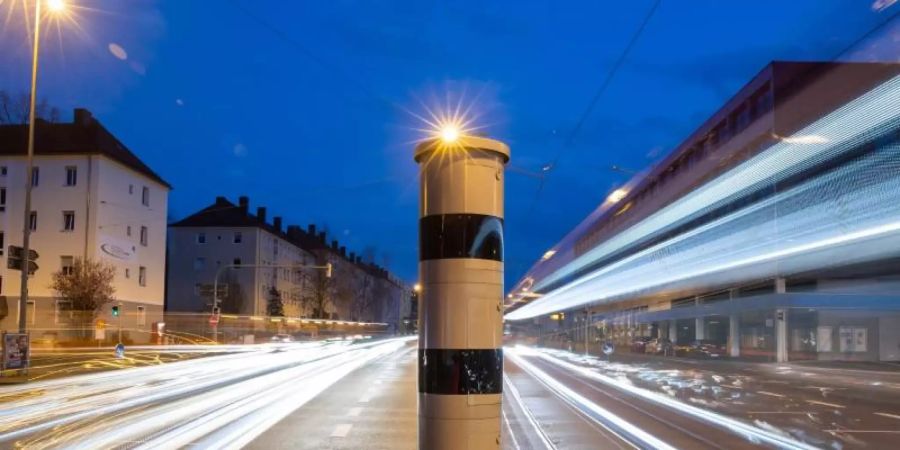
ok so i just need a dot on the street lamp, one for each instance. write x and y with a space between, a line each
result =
55 6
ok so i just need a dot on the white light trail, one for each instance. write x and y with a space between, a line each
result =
750 432
844 207
625 430
224 400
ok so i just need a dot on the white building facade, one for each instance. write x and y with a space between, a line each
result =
91 199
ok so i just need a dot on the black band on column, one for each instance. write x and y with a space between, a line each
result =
461 236
460 372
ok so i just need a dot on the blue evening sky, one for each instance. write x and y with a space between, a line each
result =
306 107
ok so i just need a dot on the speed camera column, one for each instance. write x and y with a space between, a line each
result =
461 307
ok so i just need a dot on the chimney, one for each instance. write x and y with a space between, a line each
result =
221 200
83 117
352 257
322 237
343 251
293 231
276 222
261 214
334 245
244 203
311 229
359 259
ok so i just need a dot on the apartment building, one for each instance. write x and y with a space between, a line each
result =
92 198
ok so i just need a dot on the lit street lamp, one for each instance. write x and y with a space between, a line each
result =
55 6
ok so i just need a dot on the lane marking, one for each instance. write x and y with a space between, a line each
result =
341 430
833 405
772 394
892 416
861 431
355 411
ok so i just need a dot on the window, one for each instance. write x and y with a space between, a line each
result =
35 176
236 261
32 221
130 189
144 236
66 264
199 263
2 171
142 276
68 220
2 199
1 243
32 311
71 175
145 196
127 273
141 316
238 237
201 238
128 230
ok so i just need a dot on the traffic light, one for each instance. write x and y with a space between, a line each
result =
115 311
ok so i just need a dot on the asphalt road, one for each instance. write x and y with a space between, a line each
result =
351 396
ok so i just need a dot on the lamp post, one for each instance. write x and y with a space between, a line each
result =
54 6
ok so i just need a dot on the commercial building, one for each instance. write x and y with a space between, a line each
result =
771 231
92 198
225 234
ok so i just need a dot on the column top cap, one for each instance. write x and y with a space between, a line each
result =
466 142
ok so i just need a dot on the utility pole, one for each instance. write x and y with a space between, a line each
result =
461 307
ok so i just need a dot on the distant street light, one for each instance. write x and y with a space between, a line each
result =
56 7
417 287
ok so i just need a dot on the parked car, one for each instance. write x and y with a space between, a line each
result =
639 344
282 338
701 348
659 346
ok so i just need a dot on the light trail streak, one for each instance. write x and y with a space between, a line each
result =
222 400
750 432
842 207
614 424
538 430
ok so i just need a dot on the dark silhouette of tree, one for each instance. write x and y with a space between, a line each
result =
14 109
274 304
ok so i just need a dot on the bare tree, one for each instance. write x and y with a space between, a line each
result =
14 109
274 304
86 287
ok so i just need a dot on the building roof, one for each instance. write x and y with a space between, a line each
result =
83 136
224 213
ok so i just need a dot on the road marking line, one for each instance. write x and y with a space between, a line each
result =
892 416
355 411
861 431
833 405
779 412
770 394
341 430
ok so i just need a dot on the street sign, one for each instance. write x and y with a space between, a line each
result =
16 252
15 260
16 353
16 264
213 319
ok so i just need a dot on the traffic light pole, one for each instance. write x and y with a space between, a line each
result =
461 303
